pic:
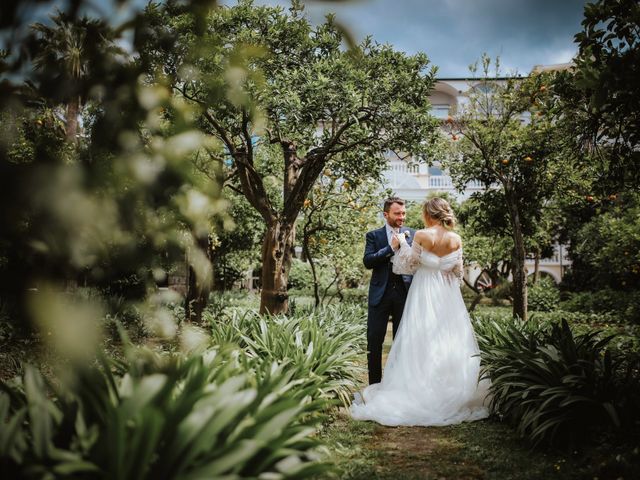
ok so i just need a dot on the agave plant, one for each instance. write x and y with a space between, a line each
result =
553 385
323 347
162 417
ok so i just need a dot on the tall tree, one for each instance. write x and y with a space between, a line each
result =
506 138
600 96
599 109
66 50
300 92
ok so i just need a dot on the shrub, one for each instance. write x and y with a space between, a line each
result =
300 275
543 296
553 385
624 303
501 293
355 295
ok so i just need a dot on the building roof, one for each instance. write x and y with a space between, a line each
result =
552 68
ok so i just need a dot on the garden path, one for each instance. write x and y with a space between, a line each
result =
480 450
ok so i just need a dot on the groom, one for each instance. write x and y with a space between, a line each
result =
387 291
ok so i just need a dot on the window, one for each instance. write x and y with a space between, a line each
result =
485 87
440 110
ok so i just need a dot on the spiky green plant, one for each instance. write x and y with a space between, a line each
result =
555 386
209 416
323 347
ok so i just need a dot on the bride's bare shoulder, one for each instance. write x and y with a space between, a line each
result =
455 240
425 233
425 237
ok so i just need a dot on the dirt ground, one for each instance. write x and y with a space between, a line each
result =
421 453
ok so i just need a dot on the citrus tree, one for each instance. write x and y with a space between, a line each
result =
295 89
600 96
505 137
599 109
334 220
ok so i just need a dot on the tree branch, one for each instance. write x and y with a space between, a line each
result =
349 146
343 128
253 188
222 133
247 136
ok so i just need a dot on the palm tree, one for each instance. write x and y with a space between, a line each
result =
65 49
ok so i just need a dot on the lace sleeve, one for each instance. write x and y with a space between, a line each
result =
407 258
458 269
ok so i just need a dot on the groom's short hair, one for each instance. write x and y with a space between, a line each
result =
390 201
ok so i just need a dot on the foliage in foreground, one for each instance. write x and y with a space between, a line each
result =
205 416
245 408
555 386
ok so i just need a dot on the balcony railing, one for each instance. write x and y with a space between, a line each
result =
434 182
404 168
444 182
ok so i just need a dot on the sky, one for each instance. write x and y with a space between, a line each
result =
455 33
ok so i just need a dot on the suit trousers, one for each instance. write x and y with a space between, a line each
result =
391 305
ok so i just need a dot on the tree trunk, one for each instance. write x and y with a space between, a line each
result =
276 263
476 299
518 256
316 283
73 108
198 289
536 267
326 290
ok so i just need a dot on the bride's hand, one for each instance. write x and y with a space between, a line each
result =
395 242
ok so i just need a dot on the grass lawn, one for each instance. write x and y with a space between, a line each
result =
486 449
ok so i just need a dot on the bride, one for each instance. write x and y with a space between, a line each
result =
432 373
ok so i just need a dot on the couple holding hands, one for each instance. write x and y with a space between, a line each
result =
432 373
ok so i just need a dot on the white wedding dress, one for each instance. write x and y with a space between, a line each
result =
432 372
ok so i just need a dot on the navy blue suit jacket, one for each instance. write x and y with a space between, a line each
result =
377 256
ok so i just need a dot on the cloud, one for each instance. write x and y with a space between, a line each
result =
455 33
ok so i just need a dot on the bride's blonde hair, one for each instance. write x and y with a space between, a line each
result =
440 210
